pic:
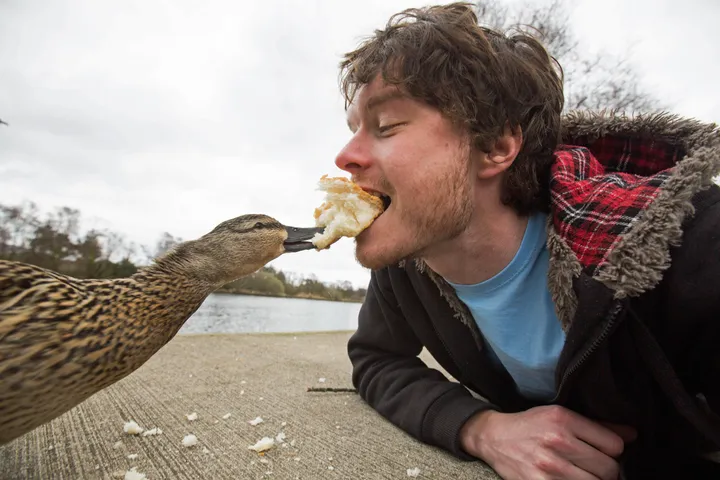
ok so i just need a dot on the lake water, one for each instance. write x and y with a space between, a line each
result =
226 313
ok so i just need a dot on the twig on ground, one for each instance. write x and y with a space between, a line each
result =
330 389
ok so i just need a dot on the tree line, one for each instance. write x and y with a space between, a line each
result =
57 242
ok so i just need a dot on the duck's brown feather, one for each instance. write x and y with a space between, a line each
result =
63 339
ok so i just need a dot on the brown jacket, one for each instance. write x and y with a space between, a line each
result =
642 320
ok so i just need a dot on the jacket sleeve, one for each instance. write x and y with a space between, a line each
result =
703 290
393 380
694 292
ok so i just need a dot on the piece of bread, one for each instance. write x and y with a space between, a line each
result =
347 210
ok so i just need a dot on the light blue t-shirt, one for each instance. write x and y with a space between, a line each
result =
516 315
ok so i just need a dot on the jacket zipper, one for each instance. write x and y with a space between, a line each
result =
590 350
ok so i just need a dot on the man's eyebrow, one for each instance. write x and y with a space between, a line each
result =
380 98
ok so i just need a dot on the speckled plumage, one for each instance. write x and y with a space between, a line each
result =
63 339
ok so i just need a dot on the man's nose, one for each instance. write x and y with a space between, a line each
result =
353 157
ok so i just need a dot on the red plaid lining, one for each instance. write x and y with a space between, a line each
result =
643 157
598 195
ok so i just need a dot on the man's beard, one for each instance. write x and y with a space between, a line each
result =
440 214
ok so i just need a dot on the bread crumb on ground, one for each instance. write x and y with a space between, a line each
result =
413 472
226 416
189 440
256 421
132 428
132 456
192 417
152 431
133 474
266 443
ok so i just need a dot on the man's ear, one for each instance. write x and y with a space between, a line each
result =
502 154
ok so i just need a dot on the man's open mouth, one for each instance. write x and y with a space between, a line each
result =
386 200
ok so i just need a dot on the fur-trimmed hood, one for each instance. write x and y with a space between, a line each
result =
621 189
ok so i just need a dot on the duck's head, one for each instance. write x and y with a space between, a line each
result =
238 247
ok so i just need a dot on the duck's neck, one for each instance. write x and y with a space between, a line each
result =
192 260
164 303
170 291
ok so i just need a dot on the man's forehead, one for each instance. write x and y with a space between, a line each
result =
371 95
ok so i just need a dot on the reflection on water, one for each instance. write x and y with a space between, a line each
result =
225 313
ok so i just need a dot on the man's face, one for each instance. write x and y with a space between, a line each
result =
410 153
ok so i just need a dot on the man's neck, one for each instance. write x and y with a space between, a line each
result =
482 250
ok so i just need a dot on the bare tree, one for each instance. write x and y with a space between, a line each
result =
18 224
600 81
115 246
166 243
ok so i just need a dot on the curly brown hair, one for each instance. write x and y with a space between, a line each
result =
479 78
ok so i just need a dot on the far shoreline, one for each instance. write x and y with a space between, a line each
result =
272 295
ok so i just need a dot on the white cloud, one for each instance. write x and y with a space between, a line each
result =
673 46
160 116
173 116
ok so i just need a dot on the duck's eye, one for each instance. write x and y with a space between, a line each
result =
259 225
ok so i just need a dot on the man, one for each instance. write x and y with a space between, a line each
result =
564 269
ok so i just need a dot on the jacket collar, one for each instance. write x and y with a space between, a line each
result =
657 162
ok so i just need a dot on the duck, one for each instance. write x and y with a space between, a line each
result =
63 339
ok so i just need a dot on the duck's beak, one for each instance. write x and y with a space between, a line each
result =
298 238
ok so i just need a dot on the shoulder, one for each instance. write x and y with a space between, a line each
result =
694 272
701 230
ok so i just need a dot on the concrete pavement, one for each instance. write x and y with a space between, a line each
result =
327 435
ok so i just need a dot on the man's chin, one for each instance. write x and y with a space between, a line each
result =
375 257
371 262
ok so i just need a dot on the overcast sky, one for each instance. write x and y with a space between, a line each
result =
160 115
